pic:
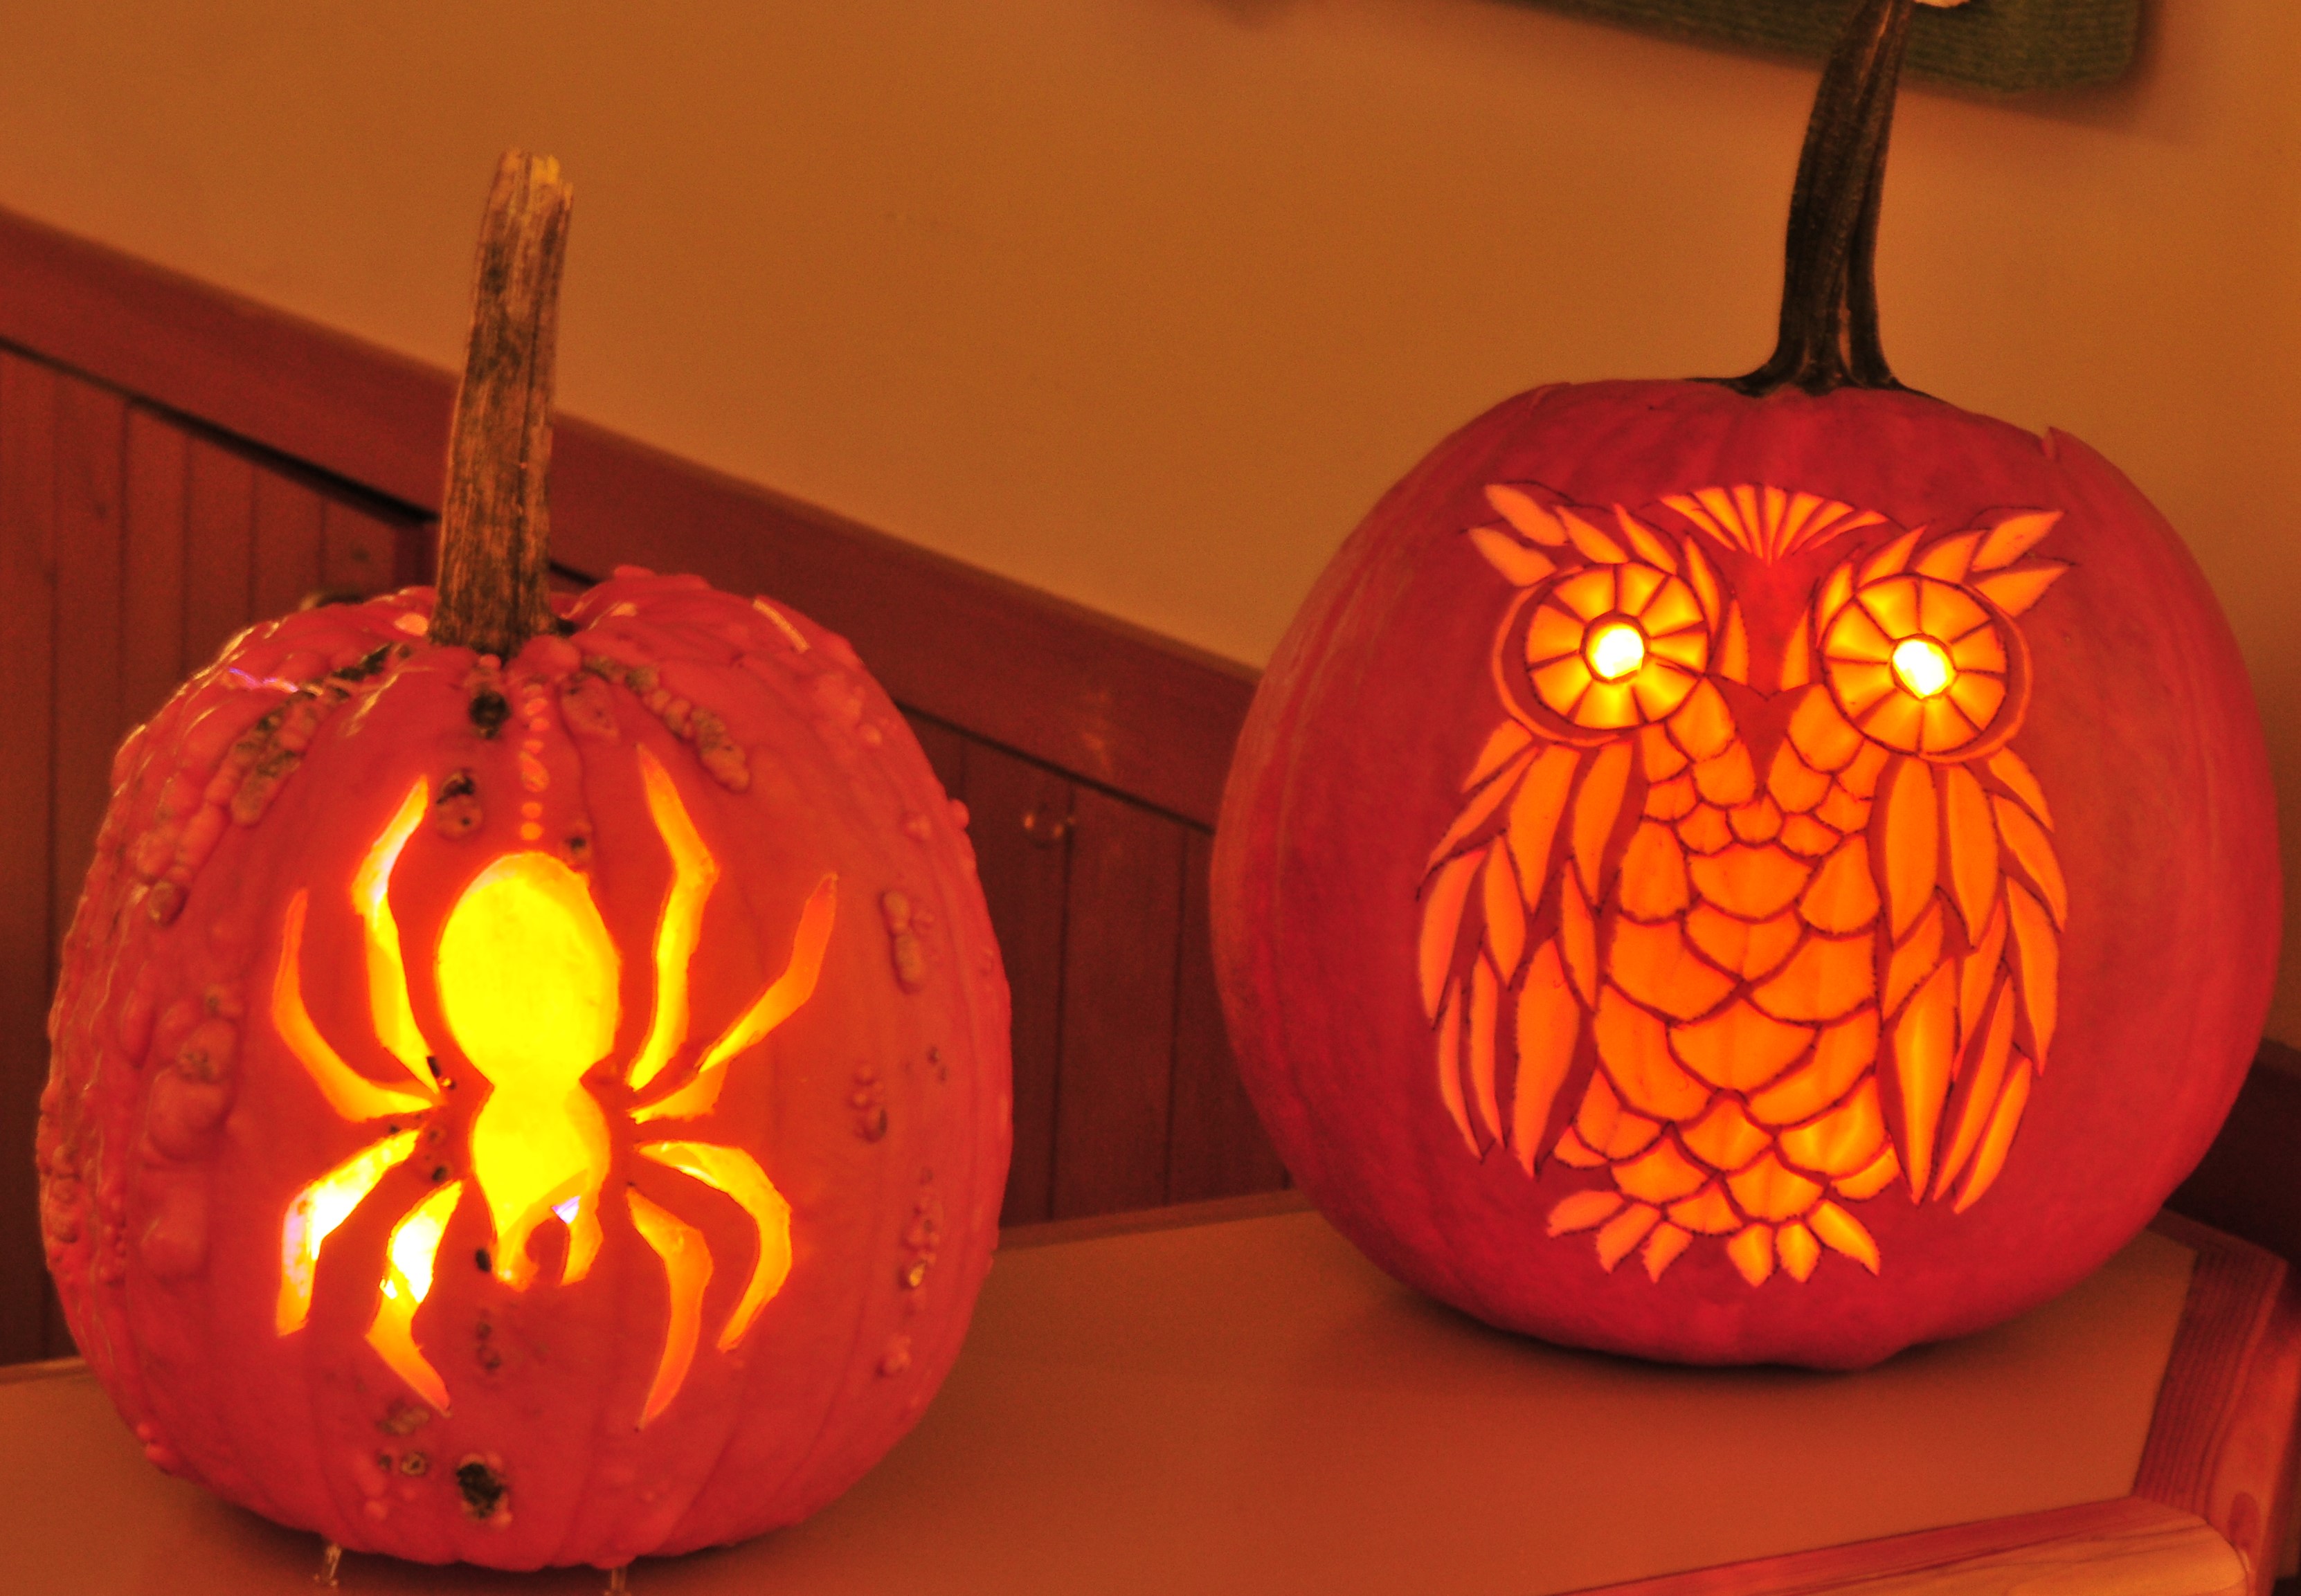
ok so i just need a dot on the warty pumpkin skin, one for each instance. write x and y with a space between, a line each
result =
1405 690
187 1108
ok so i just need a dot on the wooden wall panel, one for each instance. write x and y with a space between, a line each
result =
91 443
361 552
945 747
283 545
129 548
1026 823
1018 817
1215 1145
28 411
219 534
2249 1182
1120 955
159 464
87 481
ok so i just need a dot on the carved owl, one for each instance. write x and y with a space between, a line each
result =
1754 935
1748 880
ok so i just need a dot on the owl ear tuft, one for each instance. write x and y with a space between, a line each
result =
2015 590
1650 546
1529 515
1892 559
1520 566
2015 536
1704 582
1949 559
1592 543
1836 592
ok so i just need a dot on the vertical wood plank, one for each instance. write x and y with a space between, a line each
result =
1018 817
1215 1144
219 527
27 416
946 750
152 618
285 545
91 443
360 552
1114 1082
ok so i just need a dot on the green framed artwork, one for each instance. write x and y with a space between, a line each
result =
2003 46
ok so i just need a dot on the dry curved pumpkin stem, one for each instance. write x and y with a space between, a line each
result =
1829 337
494 523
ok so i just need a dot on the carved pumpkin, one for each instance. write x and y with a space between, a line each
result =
529 1104
1769 871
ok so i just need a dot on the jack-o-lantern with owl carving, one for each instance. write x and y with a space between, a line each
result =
530 1075
1758 871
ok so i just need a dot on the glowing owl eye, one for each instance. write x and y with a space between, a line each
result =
1615 649
1922 667
1609 646
1916 662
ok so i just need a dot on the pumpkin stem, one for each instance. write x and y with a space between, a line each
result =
495 522
1829 288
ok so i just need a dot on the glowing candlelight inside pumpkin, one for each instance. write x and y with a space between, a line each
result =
1616 651
1922 667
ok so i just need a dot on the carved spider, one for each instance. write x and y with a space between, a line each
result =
528 987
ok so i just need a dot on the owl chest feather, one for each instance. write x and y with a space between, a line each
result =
1737 1024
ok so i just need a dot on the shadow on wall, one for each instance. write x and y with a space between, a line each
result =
2078 61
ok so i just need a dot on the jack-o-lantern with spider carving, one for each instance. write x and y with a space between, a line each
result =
1755 870
526 1103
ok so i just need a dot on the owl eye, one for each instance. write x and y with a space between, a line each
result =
1615 645
1917 663
1615 649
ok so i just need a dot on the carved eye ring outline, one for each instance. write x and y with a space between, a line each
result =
1865 653
1546 654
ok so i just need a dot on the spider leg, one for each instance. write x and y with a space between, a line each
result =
777 1004
737 1174
413 1248
318 1209
349 1092
687 1270
583 1237
692 873
575 1203
386 971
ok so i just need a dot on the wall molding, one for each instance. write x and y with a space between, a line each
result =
1111 703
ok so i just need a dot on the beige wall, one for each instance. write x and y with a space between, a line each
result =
1144 301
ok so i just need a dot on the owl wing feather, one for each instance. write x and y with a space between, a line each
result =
1509 944
1976 901
1500 968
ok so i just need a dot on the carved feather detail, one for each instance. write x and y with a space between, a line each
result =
1745 986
